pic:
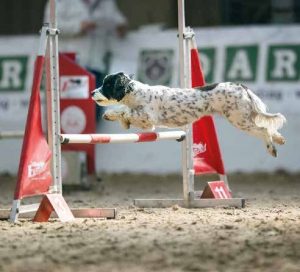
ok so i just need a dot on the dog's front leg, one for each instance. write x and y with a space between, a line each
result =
117 114
136 117
139 118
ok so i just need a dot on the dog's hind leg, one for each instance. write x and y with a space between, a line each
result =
264 134
248 125
269 143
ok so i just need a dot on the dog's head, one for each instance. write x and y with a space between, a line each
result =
113 90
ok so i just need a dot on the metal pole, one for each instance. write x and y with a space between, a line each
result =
187 162
11 134
53 108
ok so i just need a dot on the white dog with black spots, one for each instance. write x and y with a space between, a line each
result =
147 107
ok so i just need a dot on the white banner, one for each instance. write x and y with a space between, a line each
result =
267 59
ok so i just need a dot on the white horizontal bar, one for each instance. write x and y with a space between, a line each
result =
11 134
121 138
171 135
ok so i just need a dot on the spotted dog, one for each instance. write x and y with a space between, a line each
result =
147 107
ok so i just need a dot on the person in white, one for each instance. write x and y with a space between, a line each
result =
88 28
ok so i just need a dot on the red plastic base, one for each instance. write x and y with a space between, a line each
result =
53 203
216 189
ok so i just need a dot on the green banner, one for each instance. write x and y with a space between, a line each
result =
283 63
13 72
241 63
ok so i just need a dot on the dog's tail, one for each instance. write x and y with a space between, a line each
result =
271 121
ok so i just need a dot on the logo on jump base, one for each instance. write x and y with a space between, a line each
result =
199 148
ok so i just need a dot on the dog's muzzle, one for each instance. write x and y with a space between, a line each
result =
101 100
98 97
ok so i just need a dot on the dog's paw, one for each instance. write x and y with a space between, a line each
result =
272 150
110 116
125 124
278 139
152 128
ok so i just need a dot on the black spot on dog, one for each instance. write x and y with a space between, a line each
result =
171 109
115 86
206 107
245 87
208 88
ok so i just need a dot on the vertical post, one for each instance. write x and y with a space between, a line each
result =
184 66
53 98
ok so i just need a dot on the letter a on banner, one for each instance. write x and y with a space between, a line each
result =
34 176
206 151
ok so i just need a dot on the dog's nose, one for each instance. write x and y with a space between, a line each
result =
93 93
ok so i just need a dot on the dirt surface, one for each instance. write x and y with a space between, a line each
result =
264 236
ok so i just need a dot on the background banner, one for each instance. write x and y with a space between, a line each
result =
266 59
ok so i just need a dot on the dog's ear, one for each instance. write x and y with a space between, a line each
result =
131 76
119 93
119 86
120 74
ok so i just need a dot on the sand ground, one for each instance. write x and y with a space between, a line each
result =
264 236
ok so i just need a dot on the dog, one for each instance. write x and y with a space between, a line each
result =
147 107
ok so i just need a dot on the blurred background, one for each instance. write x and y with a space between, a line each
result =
256 42
26 17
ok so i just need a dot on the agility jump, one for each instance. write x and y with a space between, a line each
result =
44 165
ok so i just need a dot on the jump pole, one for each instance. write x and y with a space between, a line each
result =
121 138
189 200
53 99
185 82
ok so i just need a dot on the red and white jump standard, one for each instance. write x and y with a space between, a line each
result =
190 196
40 163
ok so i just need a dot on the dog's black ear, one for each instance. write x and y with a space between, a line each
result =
119 86
119 93
120 74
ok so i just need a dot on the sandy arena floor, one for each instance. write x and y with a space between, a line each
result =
264 236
